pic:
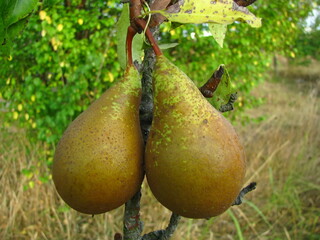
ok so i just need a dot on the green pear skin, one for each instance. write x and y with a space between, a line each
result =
98 163
195 163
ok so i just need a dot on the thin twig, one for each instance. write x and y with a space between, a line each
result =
131 32
142 23
229 106
164 234
244 191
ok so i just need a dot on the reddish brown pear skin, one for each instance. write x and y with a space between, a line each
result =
98 163
195 163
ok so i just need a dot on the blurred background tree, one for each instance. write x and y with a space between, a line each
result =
66 57
307 43
62 61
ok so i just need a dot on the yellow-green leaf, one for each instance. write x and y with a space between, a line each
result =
222 93
122 27
218 32
210 11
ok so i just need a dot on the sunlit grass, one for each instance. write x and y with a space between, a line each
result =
283 158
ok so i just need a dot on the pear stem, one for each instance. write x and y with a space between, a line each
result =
131 32
150 37
229 106
164 234
137 24
252 186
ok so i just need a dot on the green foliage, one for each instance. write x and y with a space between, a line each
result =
308 43
67 56
63 61
13 17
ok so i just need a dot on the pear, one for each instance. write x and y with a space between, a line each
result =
195 163
98 163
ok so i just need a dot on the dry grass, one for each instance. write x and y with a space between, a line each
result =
302 70
283 157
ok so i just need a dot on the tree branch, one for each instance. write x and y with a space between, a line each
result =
146 105
132 225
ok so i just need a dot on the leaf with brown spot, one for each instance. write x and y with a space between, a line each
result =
222 93
209 11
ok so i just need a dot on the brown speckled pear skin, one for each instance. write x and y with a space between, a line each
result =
98 163
195 164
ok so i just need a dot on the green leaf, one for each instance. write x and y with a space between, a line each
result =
2 30
137 44
218 32
17 10
222 94
12 32
49 3
210 11
121 28
168 45
16 28
44 179
3 7
14 16
31 184
27 172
